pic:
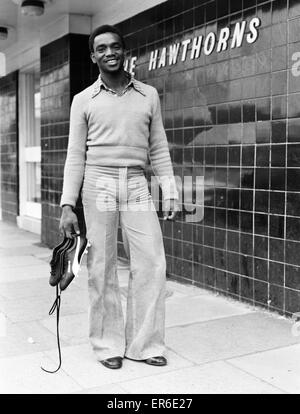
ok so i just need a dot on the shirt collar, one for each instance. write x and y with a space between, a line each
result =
99 85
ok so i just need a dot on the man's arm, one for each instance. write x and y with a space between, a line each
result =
161 161
75 161
74 168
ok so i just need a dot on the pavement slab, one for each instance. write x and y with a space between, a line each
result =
31 288
187 310
230 337
14 274
214 378
73 328
26 338
20 261
23 375
279 367
80 364
36 308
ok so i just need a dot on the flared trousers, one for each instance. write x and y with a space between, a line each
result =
113 196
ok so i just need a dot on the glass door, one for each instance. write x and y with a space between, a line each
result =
30 150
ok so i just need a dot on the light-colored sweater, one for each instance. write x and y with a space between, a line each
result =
117 131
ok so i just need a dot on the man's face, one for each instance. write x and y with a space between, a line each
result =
108 52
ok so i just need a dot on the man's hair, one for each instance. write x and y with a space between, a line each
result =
106 28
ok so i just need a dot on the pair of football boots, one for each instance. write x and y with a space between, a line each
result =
66 260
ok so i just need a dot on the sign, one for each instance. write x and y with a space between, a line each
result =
191 48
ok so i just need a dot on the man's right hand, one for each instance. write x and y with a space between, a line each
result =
68 225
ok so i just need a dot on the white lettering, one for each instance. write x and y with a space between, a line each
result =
132 65
254 23
296 65
238 34
209 43
153 60
224 36
185 44
162 59
173 53
196 47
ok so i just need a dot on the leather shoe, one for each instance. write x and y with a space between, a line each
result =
113 363
158 361
72 260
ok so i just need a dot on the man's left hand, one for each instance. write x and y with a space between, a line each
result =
171 209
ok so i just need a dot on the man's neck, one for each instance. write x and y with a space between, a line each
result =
115 80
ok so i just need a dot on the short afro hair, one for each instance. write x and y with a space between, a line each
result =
106 28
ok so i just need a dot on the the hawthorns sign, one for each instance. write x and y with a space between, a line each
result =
192 48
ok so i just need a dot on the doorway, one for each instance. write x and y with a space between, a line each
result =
30 149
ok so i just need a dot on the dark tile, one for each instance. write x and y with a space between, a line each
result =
293 155
220 238
276 247
233 241
247 178
248 155
292 277
276 273
233 283
292 252
262 180
277 202
249 111
293 202
278 155
246 200
260 269
292 301
292 228
293 177
262 155
277 226
234 155
233 262
278 179
221 280
261 224
260 292
246 246
261 246
293 130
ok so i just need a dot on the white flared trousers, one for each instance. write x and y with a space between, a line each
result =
113 196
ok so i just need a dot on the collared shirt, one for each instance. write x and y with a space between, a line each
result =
100 84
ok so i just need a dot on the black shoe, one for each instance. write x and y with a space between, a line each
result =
113 363
158 361
57 261
72 260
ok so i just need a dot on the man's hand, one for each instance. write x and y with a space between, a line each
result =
170 209
68 225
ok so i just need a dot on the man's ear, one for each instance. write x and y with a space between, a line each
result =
93 57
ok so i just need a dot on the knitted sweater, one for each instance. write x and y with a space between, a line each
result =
118 131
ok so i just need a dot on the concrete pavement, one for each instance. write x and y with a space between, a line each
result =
215 345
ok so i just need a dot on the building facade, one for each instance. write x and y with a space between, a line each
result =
228 75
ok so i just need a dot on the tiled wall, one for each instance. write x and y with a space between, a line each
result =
9 146
233 117
65 70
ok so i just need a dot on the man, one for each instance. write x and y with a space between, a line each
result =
114 124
